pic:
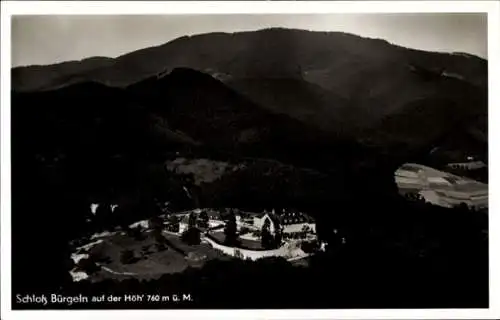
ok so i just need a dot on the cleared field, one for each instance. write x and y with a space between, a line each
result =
149 262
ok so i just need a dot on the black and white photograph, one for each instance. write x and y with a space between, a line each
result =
213 161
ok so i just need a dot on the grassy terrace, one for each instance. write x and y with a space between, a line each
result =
220 237
149 262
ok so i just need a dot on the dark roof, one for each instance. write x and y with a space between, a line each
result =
280 218
298 217
214 215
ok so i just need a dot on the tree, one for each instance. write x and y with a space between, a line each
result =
244 230
266 237
238 254
191 236
158 236
309 246
173 223
145 250
136 233
104 214
278 236
203 220
463 207
127 257
230 229
125 227
160 246
156 223
192 221
99 256
88 266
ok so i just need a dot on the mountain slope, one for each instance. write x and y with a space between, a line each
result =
221 118
452 106
336 79
185 109
300 100
41 77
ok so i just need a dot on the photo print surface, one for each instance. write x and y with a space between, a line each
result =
258 161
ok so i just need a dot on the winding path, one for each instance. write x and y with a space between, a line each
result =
119 273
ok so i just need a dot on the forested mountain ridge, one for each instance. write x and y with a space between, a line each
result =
337 81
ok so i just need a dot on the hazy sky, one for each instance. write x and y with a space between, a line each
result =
51 39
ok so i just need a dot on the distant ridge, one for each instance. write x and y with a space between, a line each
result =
340 83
